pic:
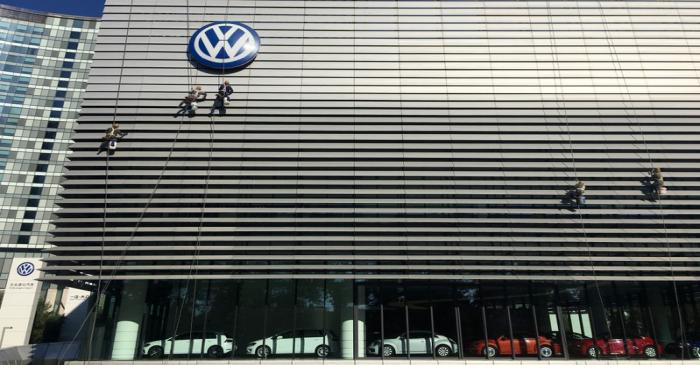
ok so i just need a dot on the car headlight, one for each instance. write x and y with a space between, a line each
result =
250 344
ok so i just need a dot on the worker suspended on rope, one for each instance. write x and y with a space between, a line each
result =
222 98
578 193
109 140
225 91
189 105
656 182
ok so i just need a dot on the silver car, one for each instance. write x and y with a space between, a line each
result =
417 342
316 342
213 344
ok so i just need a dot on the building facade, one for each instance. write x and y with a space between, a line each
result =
391 179
44 63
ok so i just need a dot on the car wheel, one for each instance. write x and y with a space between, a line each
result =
263 351
387 351
650 352
546 352
443 351
490 351
215 351
323 351
155 352
695 352
593 352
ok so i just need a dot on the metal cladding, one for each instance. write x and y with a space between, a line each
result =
375 139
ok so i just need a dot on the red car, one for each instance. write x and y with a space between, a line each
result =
522 346
637 346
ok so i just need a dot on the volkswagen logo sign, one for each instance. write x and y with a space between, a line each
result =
224 45
25 269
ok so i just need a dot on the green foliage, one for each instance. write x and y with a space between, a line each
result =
47 325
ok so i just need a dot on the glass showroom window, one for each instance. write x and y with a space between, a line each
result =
251 319
248 319
277 319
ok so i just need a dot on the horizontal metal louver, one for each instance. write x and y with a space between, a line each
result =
380 139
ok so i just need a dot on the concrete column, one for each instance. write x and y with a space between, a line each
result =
347 339
361 317
20 302
347 335
131 309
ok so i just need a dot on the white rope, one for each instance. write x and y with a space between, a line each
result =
451 132
104 216
404 219
187 281
499 132
579 207
659 200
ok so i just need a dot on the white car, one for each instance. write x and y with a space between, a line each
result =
418 342
213 344
315 342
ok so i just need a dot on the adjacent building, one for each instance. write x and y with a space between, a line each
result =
390 179
44 63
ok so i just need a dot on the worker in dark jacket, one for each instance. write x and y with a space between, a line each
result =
222 98
109 140
225 90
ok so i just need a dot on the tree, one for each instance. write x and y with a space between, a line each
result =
47 325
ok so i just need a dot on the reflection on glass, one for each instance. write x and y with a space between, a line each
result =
251 320
353 319
470 315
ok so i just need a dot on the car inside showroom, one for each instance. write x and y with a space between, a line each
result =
349 319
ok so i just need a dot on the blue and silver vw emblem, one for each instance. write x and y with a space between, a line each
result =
224 45
25 269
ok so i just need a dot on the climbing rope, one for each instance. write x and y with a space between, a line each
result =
103 288
601 124
194 267
616 60
596 98
404 220
499 133
354 127
450 130
563 107
104 215
668 244
297 163
244 123
659 198
659 203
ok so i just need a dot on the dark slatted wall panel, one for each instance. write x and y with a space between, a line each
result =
375 139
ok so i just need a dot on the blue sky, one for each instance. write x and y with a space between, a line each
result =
73 7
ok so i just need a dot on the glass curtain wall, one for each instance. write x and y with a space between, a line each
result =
345 319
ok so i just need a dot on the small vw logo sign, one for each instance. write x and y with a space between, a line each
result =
25 268
224 45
